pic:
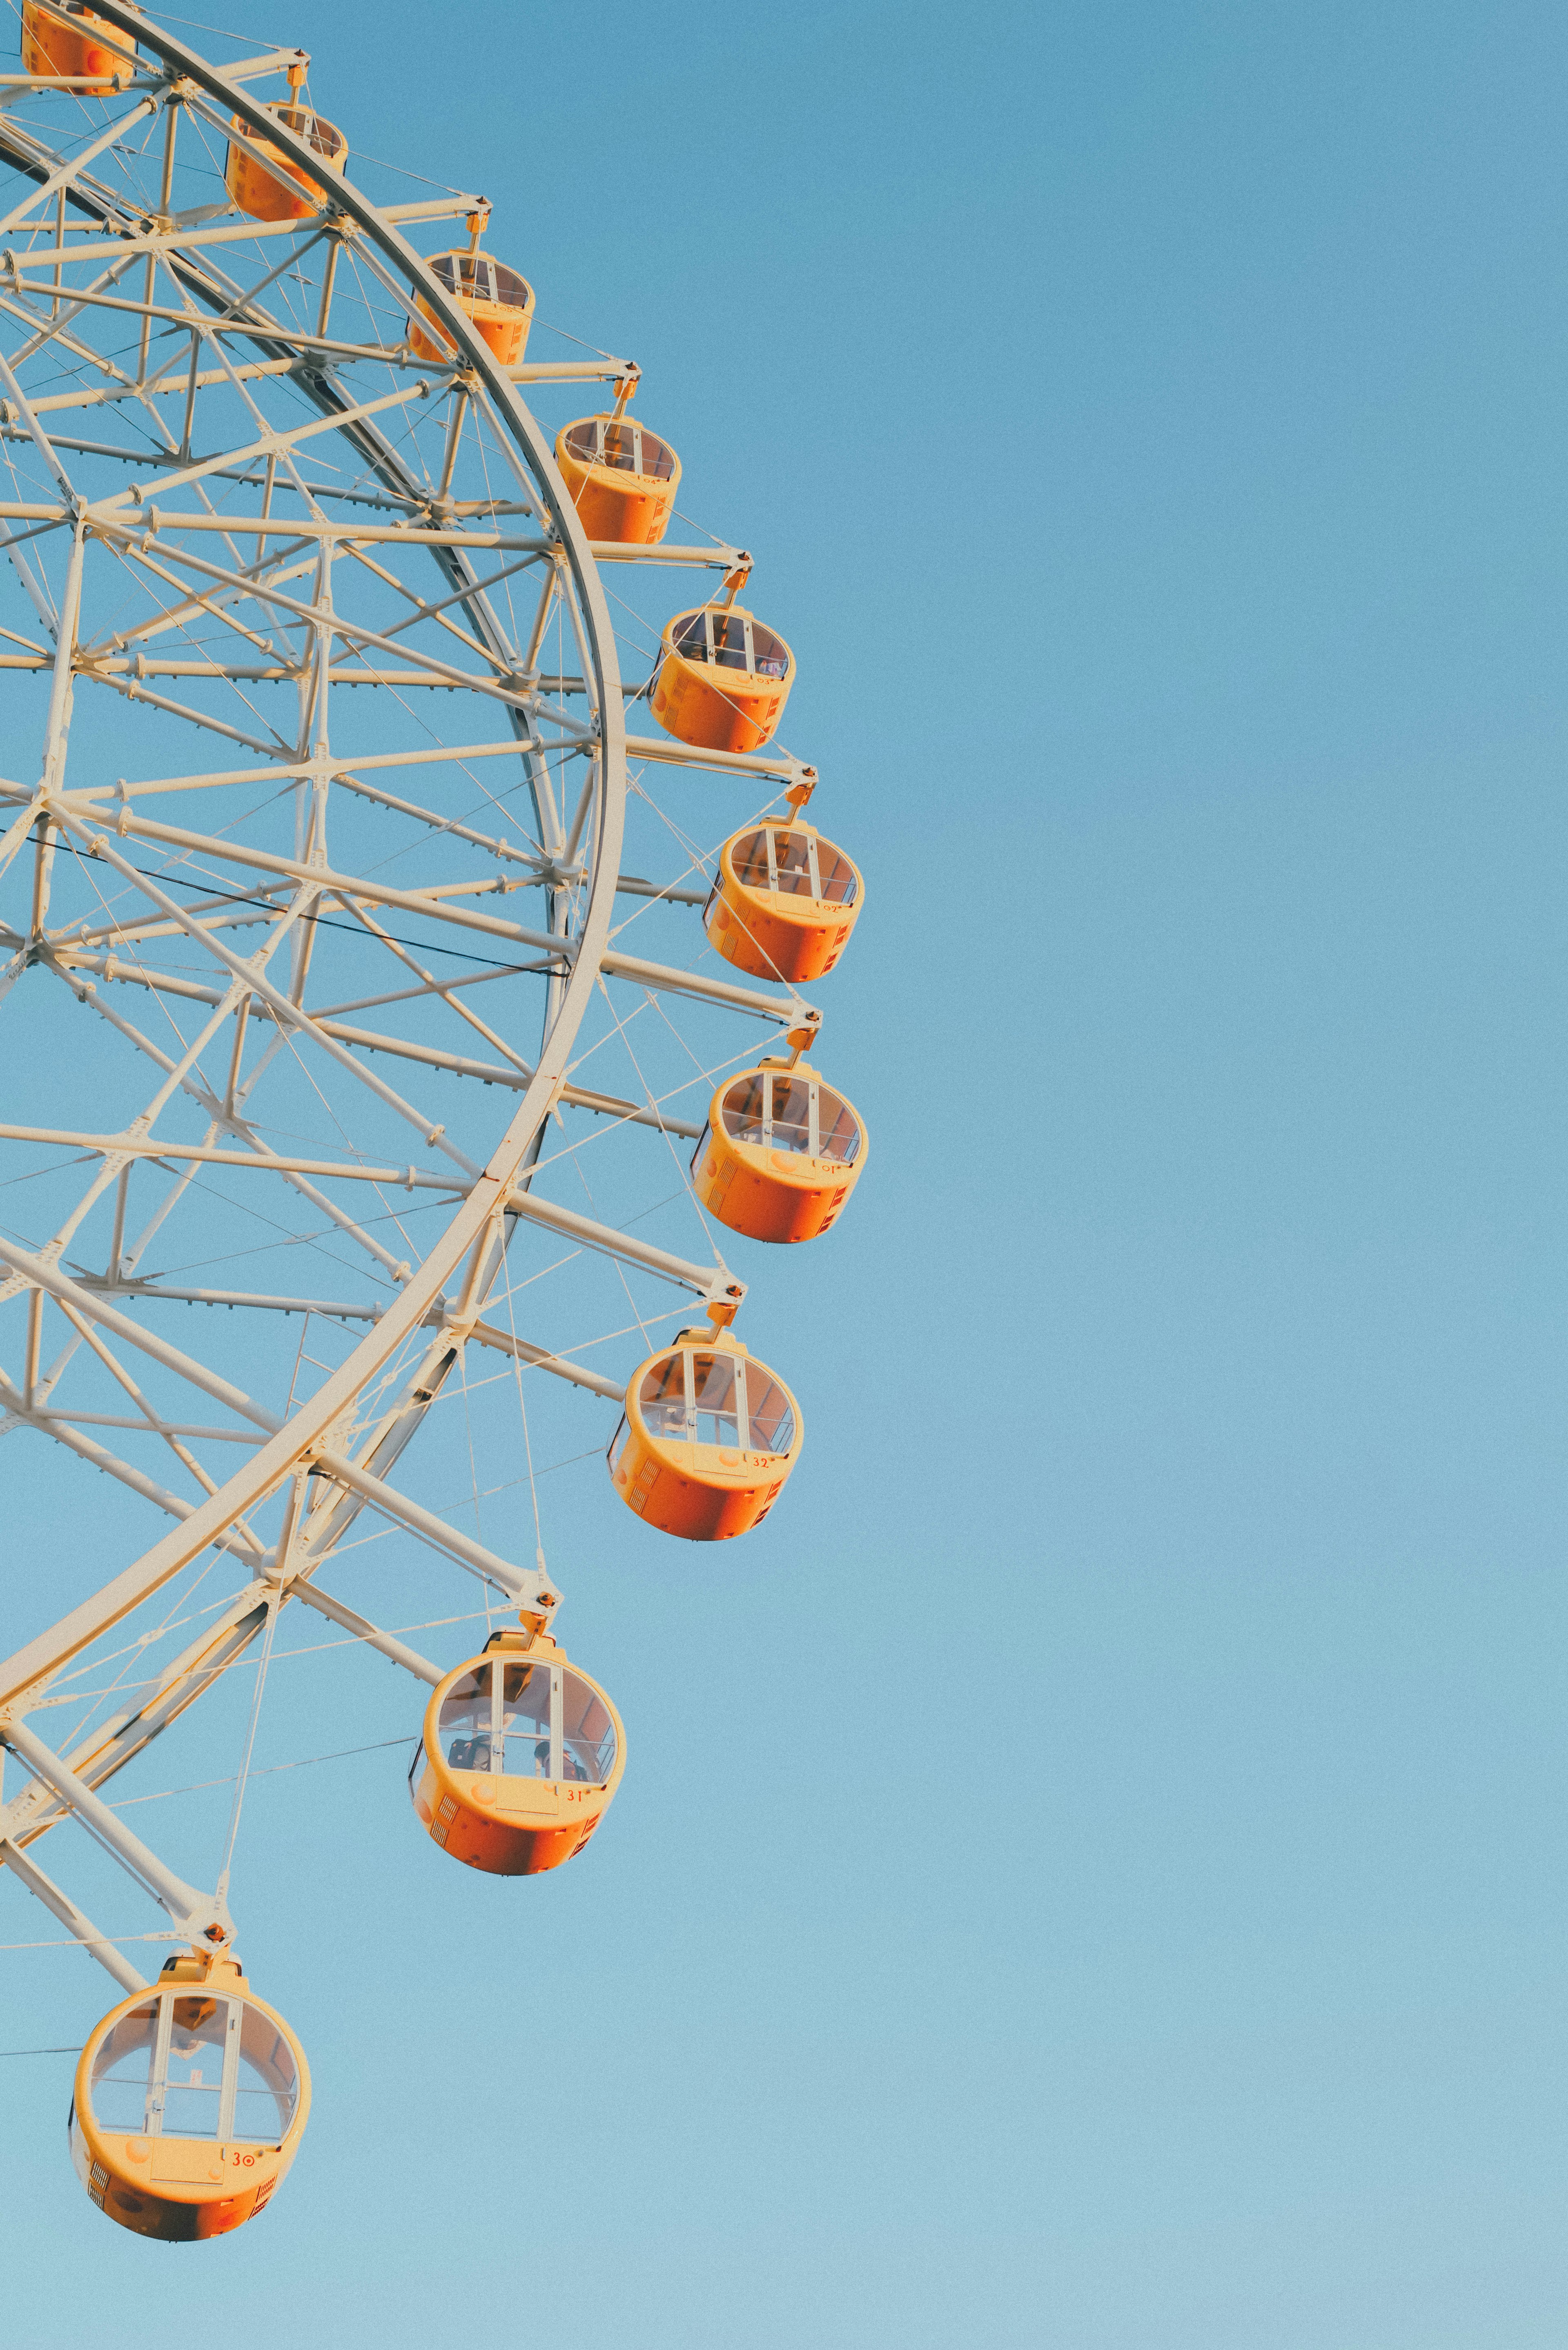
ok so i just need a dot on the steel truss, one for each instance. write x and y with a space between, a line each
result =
243 500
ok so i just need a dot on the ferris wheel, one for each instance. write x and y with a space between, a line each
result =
405 910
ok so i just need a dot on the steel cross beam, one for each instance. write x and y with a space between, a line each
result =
303 1435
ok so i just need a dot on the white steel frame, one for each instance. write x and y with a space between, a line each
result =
257 576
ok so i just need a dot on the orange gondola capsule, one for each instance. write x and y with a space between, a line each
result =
708 1439
783 902
723 678
781 1153
191 2100
275 189
622 478
520 1758
88 50
498 299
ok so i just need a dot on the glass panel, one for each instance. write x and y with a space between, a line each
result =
481 278
194 2082
510 287
839 1136
750 858
729 641
771 660
690 636
620 448
319 135
525 1720
768 1409
119 2071
266 2088
742 1110
581 440
791 855
717 1421
588 1750
465 1721
791 1113
838 883
657 457
662 1399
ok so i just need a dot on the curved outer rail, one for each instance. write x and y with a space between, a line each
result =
305 1434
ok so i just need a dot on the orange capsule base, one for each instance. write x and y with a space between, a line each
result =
499 1821
98 54
503 325
277 190
183 2189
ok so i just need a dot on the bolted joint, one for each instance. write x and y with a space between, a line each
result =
805 1028
723 1297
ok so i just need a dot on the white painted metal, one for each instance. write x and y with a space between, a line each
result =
312 521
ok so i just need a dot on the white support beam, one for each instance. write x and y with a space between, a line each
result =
363 1630
40 1274
344 885
523 1585
73 1919
402 1178
485 1333
667 979
714 1281
202 1916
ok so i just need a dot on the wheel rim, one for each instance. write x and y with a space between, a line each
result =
320 606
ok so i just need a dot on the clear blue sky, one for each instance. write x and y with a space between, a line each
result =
1102 1886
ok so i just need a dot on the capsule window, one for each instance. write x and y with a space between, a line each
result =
663 1399
792 1114
623 446
792 865
189 2065
838 1129
533 1721
716 1399
781 1112
772 1422
587 1731
465 1723
693 1397
731 641
322 137
479 277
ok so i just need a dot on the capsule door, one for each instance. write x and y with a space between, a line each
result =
723 681
520 1758
191 2100
621 477
781 1156
499 300
708 1440
784 902
89 48
275 189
